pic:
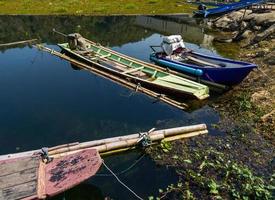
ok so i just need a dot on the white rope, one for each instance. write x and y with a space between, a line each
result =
121 181
265 74
125 170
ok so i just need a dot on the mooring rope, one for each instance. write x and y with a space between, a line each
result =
125 170
137 196
271 79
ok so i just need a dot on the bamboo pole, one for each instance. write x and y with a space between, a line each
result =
124 145
116 79
19 42
117 144
165 132
187 135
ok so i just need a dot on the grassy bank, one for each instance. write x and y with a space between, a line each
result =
240 163
94 7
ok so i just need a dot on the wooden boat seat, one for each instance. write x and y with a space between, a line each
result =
96 57
201 62
125 69
132 70
183 54
103 56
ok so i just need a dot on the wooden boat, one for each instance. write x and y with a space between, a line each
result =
138 72
211 68
43 173
33 177
226 8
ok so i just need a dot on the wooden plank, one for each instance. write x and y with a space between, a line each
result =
202 62
17 43
19 191
16 165
132 70
18 155
18 178
68 171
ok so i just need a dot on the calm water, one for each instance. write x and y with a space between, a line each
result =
45 102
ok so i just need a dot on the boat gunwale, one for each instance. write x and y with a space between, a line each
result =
242 63
202 87
207 83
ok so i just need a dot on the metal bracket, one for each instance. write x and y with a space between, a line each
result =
144 138
45 155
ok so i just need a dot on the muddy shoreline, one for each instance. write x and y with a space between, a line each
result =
240 164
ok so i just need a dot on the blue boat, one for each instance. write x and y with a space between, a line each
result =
173 55
226 8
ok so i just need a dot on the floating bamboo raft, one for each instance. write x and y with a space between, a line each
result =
44 173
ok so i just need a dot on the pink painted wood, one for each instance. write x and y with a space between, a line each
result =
68 171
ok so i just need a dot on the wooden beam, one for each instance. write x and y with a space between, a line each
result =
133 70
17 43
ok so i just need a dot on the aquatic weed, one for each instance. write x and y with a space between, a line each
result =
165 146
216 177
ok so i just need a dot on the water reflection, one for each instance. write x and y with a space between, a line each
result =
44 102
113 31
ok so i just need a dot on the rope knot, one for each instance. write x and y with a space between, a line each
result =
144 138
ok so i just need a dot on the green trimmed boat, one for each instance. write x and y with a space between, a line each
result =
133 70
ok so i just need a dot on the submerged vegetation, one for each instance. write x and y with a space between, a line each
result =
217 178
94 7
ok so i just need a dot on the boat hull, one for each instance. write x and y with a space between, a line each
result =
226 8
223 75
28 177
161 89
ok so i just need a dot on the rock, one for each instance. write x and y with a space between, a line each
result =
263 35
261 19
233 26
246 34
236 16
223 22
223 40
244 25
239 15
209 24
256 28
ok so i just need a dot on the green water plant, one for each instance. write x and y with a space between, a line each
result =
216 177
165 146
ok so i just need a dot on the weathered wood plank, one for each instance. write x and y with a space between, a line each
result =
18 178
16 165
19 191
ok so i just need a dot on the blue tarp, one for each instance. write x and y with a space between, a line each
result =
227 8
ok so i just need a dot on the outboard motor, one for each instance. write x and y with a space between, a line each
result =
172 43
77 42
202 7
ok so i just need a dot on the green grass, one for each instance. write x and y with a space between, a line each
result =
94 7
